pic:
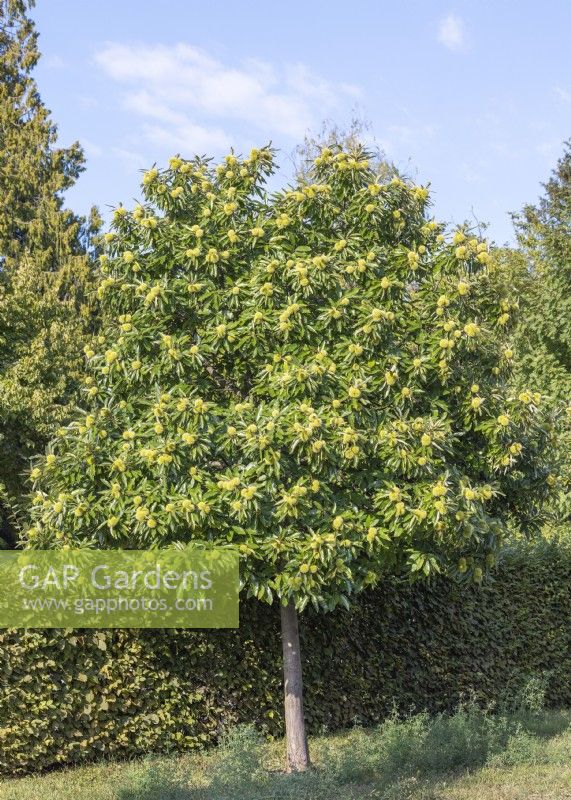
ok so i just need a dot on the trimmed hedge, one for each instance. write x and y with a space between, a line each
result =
73 696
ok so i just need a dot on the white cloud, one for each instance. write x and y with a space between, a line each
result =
92 149
406 137
188 138
190 100
549 149
563 94
412 133
86 101
129 158
54 62
451 33
471 174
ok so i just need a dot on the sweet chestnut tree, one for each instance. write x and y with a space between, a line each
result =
318 377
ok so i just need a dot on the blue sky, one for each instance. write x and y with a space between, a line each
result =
473 97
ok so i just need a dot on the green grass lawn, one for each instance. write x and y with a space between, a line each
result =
466 756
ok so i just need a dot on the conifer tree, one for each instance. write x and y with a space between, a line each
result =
45 272
544 236
541 269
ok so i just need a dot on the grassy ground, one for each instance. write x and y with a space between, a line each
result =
466 756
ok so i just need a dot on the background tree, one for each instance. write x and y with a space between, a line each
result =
544 236
541 269
317 377
344 137
45 272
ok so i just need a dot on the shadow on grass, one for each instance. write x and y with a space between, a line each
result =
399 759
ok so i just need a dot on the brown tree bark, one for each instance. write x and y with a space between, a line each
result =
297 752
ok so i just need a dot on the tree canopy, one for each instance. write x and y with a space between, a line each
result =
540 271
318 377
45 274
544 237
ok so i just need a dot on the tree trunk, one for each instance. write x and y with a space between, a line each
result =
297 757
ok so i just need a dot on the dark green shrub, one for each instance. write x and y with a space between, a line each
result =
73 696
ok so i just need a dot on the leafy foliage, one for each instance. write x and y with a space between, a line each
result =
338 137
542 267
75 696
45 275
318 378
